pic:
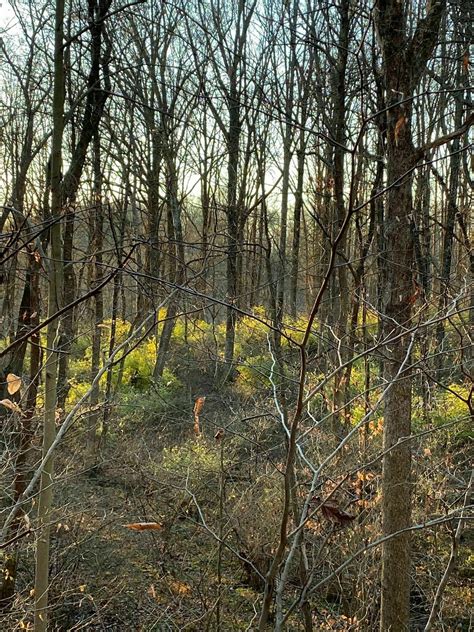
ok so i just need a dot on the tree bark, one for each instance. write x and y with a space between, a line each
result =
297 212
450 222
177 257
288 136
233 141
97 225
404 63
51 365
98 83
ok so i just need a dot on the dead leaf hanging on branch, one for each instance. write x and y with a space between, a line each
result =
198 406
13 383
13 406
332 512
465 62
399 126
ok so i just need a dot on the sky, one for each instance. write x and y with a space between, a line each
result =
6 15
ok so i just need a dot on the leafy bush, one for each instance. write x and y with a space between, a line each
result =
254 375
137 406
194 465
450 407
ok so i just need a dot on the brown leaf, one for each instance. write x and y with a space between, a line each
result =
219 435
400 124
465 61
13 406
415 295
13 383
333 513
199 405
312 525
144 526
179 588
330 184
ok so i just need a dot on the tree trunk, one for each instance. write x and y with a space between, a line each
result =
97 224
67 326
298 209
177 256
155 212
288 135
29 318
232 225
98 83
404 63
340 295
51 365
450 221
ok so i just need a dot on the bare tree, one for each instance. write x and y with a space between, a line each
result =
405 60
55 281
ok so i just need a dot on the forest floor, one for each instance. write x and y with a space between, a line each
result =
107 577
128 579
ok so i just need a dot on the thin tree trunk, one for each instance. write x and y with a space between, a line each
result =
29 310
340 296
97 221
177 260
67 325
298 209
448 240
205 208
55 279
99 87
153 261
232 224
118 239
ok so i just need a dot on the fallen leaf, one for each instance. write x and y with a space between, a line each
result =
179 588
312 525
144 526
219 435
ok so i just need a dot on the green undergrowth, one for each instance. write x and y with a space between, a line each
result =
190 373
